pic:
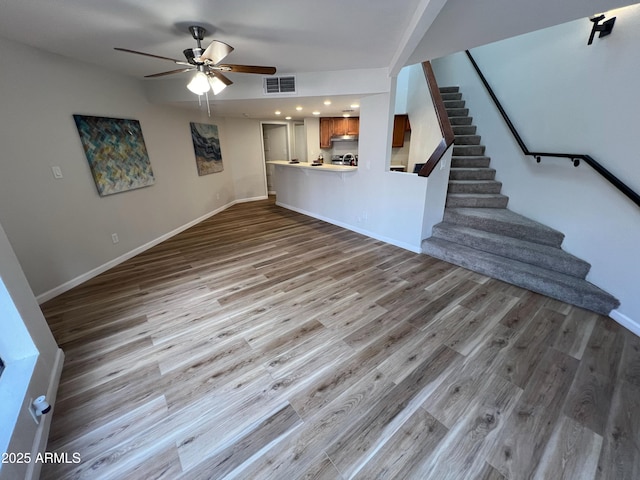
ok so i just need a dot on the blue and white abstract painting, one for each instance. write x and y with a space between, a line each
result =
206 144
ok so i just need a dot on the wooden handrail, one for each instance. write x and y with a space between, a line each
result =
443 120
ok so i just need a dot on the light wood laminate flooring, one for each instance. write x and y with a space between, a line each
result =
263 343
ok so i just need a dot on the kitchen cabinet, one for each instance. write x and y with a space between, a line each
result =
330 126
346 126
326 130
401 126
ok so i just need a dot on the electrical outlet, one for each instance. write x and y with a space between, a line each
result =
217 196
114 238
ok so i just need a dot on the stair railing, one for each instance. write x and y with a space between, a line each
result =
574 157
443 121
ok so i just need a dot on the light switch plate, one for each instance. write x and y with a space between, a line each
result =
57 173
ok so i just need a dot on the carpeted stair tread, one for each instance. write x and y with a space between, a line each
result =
504 222
565 288
460 120
468 150
476 200
452 89
466 140
545 256
470 161
474 186
464 129
457 112
451 96
472 173
453 103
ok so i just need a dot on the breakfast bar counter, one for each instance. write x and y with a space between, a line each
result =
322 167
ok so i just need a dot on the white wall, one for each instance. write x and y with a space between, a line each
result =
425 129
565 96
381 204
29 336
61 229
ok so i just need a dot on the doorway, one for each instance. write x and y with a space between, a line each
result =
275 146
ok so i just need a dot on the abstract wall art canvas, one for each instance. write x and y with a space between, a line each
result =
116 153
206 144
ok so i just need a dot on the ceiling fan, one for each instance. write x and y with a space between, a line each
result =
206 64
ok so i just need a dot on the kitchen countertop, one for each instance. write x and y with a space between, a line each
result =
326 167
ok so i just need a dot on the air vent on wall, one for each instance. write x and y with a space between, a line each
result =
279 85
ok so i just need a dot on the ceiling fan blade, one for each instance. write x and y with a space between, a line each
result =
148 55
162 74
216 51
224 79
247 69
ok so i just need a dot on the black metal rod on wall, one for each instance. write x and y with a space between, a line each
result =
575 157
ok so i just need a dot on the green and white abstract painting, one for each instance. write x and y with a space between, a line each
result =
116 153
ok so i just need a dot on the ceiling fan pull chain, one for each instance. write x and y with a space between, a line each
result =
206 94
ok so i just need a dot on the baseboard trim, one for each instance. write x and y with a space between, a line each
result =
367 233
74 282
626 322
42 432
252 199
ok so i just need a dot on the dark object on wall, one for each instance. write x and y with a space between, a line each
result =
116 153
604 28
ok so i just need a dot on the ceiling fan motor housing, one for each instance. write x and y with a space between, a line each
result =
193 55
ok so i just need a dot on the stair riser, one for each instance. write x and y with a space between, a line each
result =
477 201
449 89
468 150
467 140
524 232
460 120
486 186
556 261
470 162
464 129
472 174
451 96
601 304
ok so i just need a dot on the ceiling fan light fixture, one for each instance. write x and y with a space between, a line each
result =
199 84
217 85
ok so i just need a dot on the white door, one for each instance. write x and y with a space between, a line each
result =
276 147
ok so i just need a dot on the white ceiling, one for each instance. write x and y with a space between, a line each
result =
292 35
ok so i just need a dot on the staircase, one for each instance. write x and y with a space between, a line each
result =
478 232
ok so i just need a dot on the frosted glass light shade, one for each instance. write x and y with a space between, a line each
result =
199 84
217 85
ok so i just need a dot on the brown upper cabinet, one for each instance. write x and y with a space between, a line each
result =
346 126
330 126
326 130
400 127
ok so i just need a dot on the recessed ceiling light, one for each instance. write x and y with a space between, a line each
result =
355 105
278 112
327 102
316 112
345 115
287 118
298 108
